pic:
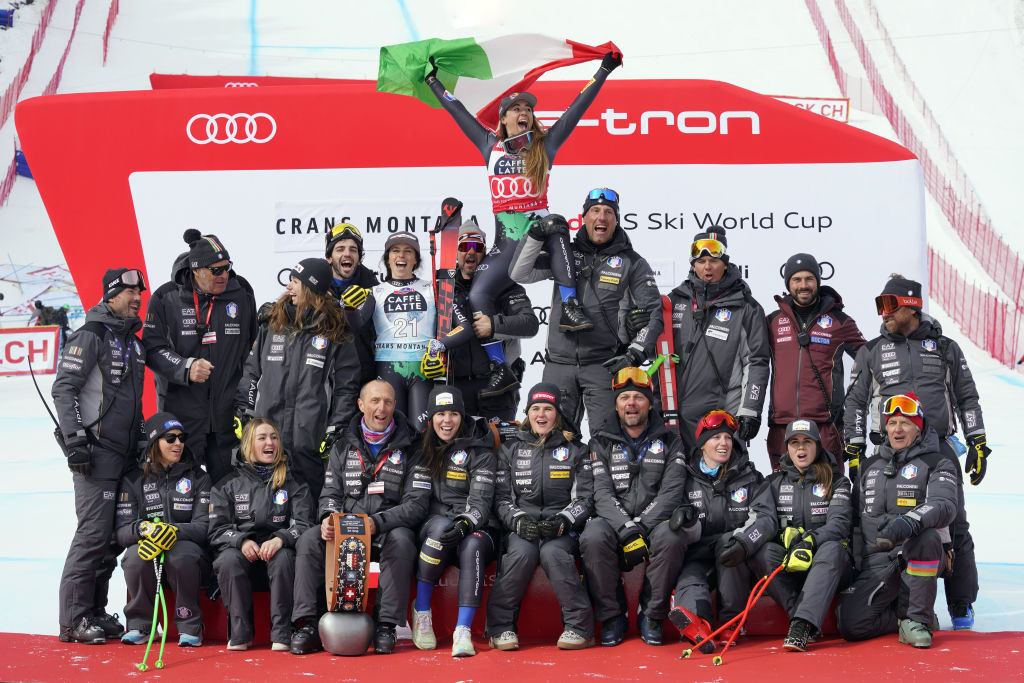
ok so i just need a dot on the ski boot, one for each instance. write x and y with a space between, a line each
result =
499 380
915 634
962 616
574 318
692 628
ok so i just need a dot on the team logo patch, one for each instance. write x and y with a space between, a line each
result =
395 458
819 490
561 453
460 457
909 471
319 343
657 446
281 497
184 485
615 261
723 315
232 310
929 344
825 321
801 426
183 612
739 495
444 399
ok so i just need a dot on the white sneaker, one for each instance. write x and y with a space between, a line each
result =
239 646
462 642
280 647
423 630
570 640
508 640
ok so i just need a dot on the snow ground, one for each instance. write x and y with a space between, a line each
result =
966 58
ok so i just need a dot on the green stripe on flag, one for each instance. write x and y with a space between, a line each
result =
404 66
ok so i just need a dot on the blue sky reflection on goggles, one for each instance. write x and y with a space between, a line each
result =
604 193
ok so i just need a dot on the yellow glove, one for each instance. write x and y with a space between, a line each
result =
790 534
432 366
239 423
163 536
148 550
354 296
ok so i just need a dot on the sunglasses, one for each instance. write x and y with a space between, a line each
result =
171 438
470 245
625 376
604 193
902 404
342 228
219 270
714 420
712 248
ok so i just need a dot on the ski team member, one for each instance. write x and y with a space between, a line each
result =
726 493
302 371
809 529
911 354
351 283
543 496
164 507
469 366
719 332
257 513
207 315
375 470
613 279
808 335
906 499
639 475
519 157
97 396
461 463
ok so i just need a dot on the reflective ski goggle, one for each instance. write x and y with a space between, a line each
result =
888 303
627 375
171 438
129 278
472 245
714 420
711 247
219 270
902 404
518 143
604 193
341 228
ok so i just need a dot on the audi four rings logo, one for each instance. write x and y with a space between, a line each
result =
240 128
511 187
240 84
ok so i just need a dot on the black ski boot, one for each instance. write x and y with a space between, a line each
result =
112 628
84 632
306 639
499 380
574 318
800 633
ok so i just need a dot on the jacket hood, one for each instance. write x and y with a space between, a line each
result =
656 428
101 313
929 328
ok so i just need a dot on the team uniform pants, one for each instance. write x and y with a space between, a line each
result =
397 550
884 593
92 557
961 585
515 569
502 406
473 554
185 567
600 546
234 576
806 595
214 451
587 385
701 572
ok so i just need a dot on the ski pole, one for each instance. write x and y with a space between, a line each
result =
158 568
717 661
711 636
163 627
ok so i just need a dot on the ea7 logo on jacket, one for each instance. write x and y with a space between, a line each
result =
723 315
909 471
561 453
739 495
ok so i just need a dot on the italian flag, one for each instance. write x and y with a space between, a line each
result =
479 73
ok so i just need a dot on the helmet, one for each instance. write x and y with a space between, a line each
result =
346 634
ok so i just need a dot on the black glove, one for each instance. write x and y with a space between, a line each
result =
733 553
636 320
80 460
977 458
683 516
552 224
455 534
895 532
611 61
526 528
630 359
634 550
853 454
330 438
263 315
748 428
553 527
433 70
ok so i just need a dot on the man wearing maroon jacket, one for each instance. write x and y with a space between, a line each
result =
808 335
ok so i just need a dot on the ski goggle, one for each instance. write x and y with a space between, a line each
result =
625 376
219 270
604 193
171 438
341 228
902 404
711 247
129 278
518 143
888 303
472 245
715 419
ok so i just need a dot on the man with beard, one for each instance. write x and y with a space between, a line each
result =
808 335
351 283
98 399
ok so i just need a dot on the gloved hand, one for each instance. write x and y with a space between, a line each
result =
241 419
633 549
432 366
748 428
801 554
553 527
526 528
630 359
354 296
80 460
433 70
148 550
330 438
895 532
552 224
263 315
162 535
455 534
611 61
636 320
733 553
790 534
977 458
683 516
853 453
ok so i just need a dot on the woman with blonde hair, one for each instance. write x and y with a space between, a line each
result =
257 513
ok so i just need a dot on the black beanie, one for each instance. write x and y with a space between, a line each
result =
114 282
158 425
544 392
715 232
908 292
800 262
603 199
443 398
315 273
204 249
